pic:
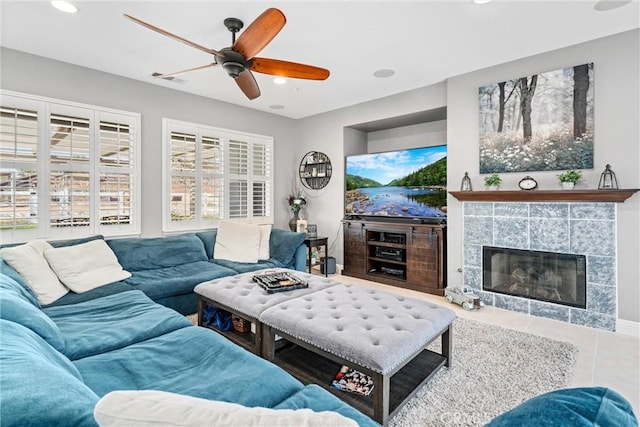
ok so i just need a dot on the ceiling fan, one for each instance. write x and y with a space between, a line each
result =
239 59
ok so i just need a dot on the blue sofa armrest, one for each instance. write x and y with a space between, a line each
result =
300 258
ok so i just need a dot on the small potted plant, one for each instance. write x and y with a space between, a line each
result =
492 181
569 178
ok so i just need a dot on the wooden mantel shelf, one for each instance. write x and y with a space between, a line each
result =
618 195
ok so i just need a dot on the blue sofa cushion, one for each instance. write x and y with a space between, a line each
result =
138 254
40 387
99 292
7 270
318 399
15 307
245 267
576 407
283 245
193 361
209 240
73 242
16 284
181 279
119 320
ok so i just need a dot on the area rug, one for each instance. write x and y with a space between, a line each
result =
493 370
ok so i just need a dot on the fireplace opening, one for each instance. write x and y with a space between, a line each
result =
544 276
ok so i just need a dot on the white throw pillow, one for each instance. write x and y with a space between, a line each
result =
161 408
86 266
237 242
265 234
29 261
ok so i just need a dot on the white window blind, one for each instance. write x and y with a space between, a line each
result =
212 174
18 172
68 169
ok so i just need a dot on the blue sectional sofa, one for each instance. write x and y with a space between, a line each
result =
56 363
167 269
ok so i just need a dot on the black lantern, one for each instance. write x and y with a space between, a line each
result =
466 183
607 179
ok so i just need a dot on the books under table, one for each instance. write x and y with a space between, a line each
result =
279 281
353 381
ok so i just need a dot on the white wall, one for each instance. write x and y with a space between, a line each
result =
36 75
414 136
616 141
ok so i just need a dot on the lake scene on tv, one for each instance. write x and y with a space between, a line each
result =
404 183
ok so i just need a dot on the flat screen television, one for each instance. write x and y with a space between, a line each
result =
407 183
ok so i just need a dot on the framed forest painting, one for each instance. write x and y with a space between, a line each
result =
538 123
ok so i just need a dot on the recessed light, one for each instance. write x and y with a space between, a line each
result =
64 6
604 5
481 1
276 107
384 73
280 80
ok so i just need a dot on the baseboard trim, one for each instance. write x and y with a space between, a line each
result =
628 327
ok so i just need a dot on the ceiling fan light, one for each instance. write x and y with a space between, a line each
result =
481 1
280 80
64 6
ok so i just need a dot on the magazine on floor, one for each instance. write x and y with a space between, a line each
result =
353 381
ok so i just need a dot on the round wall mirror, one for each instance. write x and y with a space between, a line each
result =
315 170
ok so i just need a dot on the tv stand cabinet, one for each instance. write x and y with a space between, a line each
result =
404 254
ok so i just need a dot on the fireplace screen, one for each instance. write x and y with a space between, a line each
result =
544 276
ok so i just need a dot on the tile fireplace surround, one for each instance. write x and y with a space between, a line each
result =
577 228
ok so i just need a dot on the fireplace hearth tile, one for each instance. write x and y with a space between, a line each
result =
601 299
514 210
549 210
478 209
506 302
605 211
601 270
586 237
593 320
550 235
478 230
550 311
511 232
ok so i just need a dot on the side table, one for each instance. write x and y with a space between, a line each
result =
317 242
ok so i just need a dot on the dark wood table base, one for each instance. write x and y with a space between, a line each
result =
391 392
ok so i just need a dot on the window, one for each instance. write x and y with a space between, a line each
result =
66 169
213 174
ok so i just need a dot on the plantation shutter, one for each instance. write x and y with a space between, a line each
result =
238 179
18 175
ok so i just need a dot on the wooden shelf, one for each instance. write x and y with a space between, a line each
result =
618 195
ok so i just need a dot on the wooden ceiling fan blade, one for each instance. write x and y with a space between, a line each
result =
248 85
175 37
277 67
259 33
177 73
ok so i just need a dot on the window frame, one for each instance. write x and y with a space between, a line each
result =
45 108
170 126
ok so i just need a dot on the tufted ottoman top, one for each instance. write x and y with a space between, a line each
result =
374 329
245 296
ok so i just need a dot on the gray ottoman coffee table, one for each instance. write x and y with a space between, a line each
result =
331 324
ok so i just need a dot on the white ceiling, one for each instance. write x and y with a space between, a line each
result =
425 42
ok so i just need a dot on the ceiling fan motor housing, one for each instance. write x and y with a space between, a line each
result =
233 62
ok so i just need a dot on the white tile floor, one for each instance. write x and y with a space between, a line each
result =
606 359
